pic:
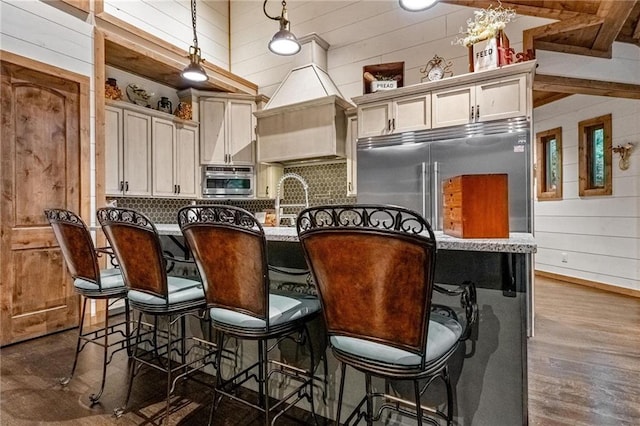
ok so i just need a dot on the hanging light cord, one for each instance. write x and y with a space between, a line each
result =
282 18
193 23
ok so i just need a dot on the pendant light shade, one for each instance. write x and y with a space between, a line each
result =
417 5
283 42
194 71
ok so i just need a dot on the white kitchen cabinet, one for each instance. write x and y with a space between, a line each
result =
400 115
484 101
268 176
352 159
128 152
175 159
227 130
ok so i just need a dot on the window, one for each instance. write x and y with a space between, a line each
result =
594 151
549 164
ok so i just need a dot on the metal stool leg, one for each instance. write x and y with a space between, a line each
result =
264 378
95 397
65 380
416 389
367 379
343 370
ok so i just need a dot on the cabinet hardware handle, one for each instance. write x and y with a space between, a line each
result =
266 191
389 125
350 187
393 124
472 113
126 186
178 188
175 189
121 185
477 112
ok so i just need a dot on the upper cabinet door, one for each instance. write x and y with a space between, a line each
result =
241 124
412 113
164 183
452 106
213 131
501 98
137 154
187 171
113 138
374 119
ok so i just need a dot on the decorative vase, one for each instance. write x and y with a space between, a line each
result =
111 90
164 105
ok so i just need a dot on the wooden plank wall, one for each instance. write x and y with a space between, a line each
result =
601 235
171 21
359 32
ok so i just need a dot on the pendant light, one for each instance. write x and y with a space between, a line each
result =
283 42
194 71
417 5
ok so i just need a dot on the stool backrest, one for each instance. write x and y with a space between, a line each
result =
229 248
373 267
75 243
137 247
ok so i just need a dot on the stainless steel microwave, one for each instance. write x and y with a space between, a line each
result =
227 181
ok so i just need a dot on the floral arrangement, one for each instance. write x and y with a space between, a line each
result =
485 24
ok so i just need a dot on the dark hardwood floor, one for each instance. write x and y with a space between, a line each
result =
584 369
584 361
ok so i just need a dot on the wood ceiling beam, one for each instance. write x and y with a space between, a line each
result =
636 32
541 12
575 23
543 98
570 85
614 13
574 50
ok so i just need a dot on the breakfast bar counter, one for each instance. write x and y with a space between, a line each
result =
489 374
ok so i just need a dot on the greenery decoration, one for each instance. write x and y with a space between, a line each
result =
486 23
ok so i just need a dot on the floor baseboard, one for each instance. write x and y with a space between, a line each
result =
588 283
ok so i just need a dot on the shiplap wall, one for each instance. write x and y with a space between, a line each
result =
360 33
600 235
38 31
170 20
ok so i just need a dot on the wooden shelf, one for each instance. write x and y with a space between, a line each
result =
390 70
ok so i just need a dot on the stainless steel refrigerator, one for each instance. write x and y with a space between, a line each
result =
408 169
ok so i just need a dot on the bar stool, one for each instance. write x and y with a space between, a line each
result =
230 250
137 247
81 258
374 267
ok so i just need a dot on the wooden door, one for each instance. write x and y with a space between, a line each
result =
40 168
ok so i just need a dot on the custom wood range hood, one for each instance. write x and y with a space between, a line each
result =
304 119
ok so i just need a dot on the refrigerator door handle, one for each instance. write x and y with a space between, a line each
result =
424 188
436 196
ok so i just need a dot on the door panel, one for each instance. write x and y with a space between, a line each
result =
40 168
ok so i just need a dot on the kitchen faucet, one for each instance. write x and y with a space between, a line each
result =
305 187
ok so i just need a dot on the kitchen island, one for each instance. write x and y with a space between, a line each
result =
489 371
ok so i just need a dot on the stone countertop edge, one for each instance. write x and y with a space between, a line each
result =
516 243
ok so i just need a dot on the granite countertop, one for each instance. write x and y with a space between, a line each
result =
516 243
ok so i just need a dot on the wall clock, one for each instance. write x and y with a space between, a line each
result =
436 69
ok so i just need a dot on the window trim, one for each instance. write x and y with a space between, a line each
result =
583 157
541 167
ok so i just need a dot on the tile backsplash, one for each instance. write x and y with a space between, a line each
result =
327 185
